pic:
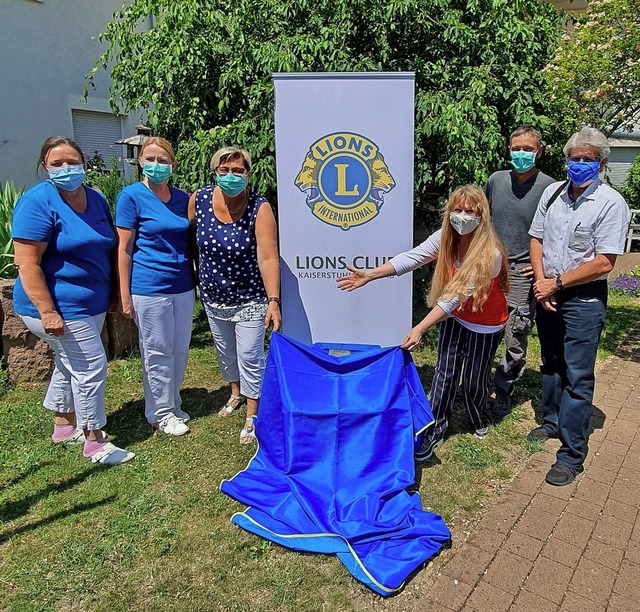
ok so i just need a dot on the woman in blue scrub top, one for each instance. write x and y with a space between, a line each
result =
157 282
64 240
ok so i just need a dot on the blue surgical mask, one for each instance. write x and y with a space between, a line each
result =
582 173
231 184
463 223
67 178
522 161
157 173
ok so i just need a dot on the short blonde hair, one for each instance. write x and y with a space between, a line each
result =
226 154
161 142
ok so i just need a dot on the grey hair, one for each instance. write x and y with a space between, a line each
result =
591 137
527 129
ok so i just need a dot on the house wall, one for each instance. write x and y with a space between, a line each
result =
620 160
47 49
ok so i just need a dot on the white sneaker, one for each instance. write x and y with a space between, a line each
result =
112 455
181 414
173 426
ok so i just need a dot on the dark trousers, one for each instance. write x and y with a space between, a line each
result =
467 354
569 341
516 339
522 308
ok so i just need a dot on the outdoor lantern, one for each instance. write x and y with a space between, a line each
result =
134 144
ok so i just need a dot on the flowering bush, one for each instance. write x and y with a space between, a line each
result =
628 283
595 74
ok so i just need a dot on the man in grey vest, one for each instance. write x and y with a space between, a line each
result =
513 196
575 239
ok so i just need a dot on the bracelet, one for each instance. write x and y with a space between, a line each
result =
276 300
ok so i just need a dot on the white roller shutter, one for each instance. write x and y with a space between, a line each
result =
95 131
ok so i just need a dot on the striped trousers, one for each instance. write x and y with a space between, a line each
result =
467 355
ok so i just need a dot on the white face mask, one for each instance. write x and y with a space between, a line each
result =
463 223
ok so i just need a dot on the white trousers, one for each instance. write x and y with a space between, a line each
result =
80 372
240 349
164 333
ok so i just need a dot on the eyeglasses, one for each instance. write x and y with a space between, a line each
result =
586 160
222 170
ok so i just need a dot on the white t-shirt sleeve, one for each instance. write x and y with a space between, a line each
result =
418 256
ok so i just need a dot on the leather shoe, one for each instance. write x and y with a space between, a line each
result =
561 475
539 433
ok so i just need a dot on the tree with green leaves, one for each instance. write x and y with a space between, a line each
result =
595 73
203 73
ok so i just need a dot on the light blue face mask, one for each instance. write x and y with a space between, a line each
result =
157 173
523 161
231 184
67 178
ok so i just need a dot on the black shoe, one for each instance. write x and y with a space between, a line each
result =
539 433
502 405
561 475
427 449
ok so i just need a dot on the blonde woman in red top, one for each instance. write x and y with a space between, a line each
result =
468 300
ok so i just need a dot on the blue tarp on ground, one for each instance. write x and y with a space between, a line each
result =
335 460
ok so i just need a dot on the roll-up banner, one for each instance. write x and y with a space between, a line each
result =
344 156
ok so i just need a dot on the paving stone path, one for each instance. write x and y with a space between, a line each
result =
566 549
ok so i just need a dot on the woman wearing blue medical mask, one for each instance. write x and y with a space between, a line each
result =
468 302
239 276
64 240
156 281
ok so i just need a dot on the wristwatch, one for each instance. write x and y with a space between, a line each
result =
559 284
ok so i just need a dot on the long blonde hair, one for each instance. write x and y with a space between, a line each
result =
480 260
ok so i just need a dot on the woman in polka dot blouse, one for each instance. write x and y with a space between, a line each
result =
238 275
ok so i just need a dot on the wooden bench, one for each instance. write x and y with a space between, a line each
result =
634 230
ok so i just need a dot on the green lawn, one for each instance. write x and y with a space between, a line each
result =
155 534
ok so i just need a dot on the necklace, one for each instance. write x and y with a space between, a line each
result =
233 212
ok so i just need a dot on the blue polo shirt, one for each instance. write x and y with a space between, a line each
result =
161 264
77 261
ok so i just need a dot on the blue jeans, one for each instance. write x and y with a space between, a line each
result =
569 341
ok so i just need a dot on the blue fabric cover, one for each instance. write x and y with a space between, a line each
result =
335 460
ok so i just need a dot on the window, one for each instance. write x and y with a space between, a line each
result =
95 131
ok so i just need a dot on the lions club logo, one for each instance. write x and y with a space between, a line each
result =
344 177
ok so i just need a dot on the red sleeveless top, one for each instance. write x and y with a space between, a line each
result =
493 312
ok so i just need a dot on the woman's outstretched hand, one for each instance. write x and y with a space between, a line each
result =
413 340
357 278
